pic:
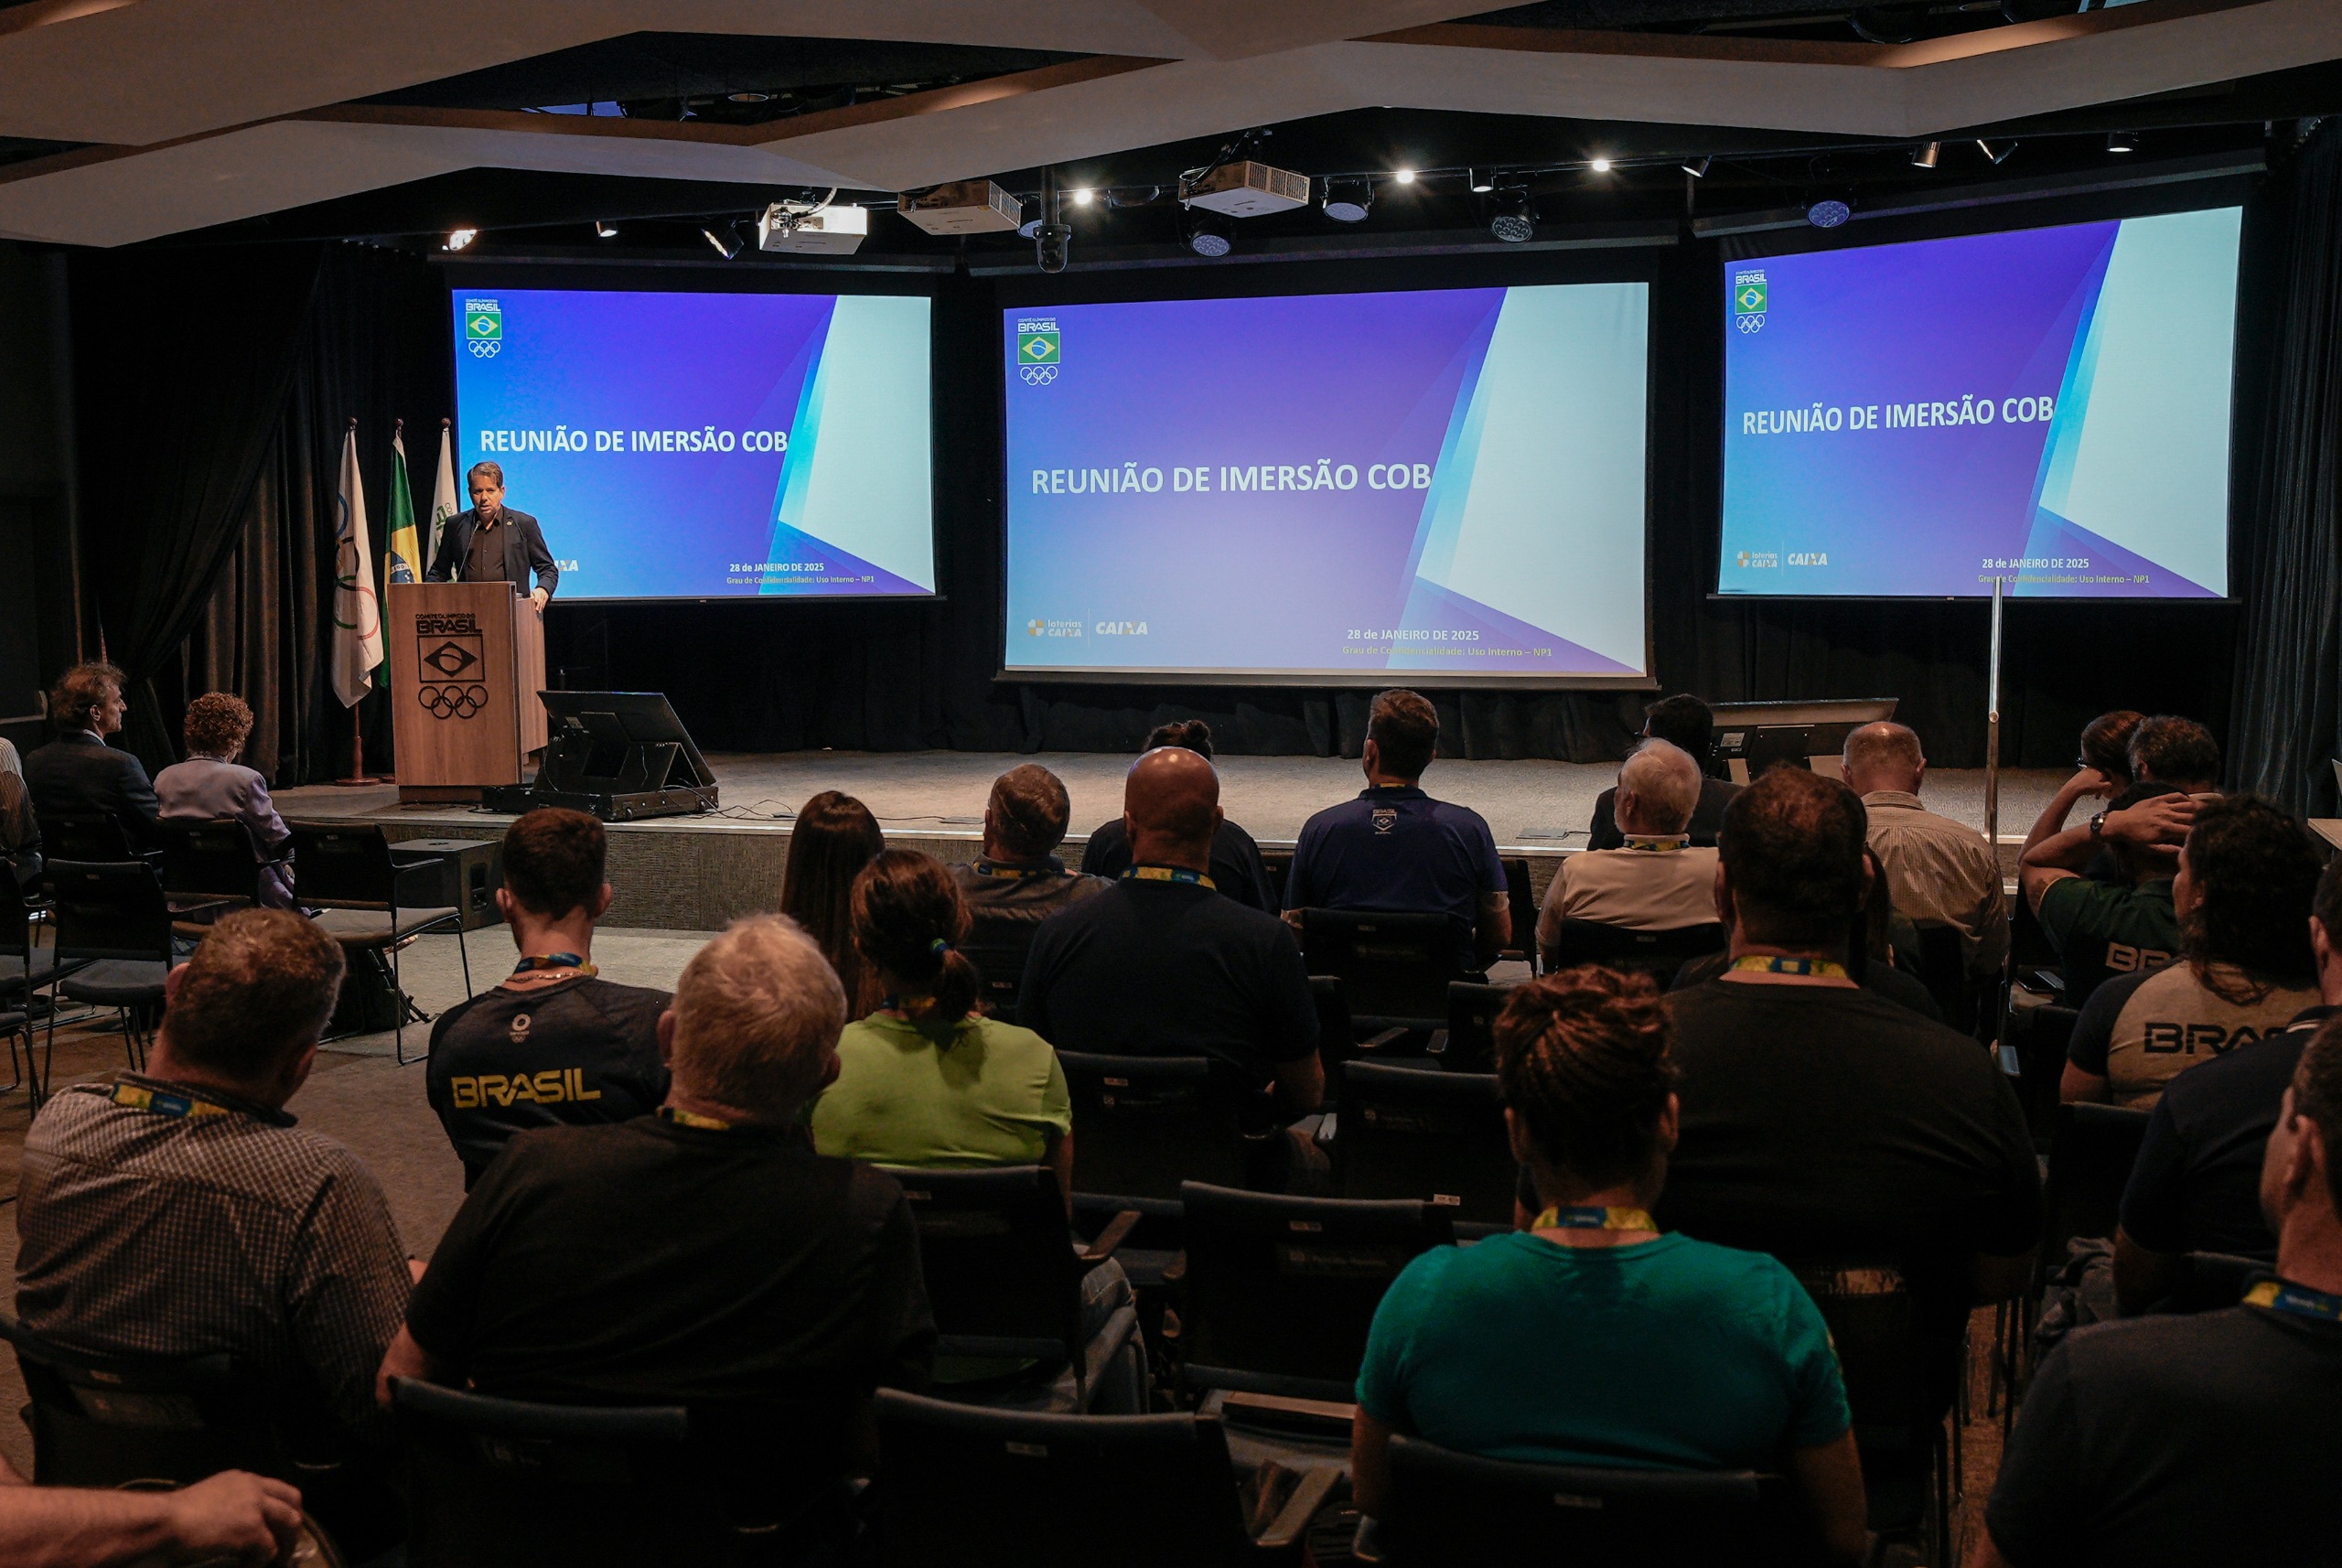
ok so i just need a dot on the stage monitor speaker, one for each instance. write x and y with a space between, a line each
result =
1753 736
623 755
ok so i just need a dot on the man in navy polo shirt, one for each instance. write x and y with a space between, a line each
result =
1394 850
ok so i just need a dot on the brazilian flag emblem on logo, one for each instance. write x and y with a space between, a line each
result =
1749 297
483 326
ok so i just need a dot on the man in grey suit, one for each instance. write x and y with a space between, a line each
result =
78 773
493 544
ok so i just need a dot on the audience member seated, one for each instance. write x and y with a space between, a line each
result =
554 1046
1019 881
210 785
1655 881
1880 971
2175 752
2195 1187
1157 965
1236 868
230 1519
2122 926
2106 746
835 838
19 829
1823 1121
1938 872
1590 1338
1685 723
2181 1441
2102 768
704 1256
179 1211
2247 875
929 1081
78 773
1394 850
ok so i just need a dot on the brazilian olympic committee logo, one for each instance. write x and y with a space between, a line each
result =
1039 353
1749 300
483 327
449 658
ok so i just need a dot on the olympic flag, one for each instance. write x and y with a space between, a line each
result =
357 614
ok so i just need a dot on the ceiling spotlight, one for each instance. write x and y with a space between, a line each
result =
1599 166
1698 170
726 239
1204 233
1926 157
1482 182
1516 216
747 98
1403 176
1083 196
458 238
1999 154
1348 200
1829 212
1052 246
2122 142
605 229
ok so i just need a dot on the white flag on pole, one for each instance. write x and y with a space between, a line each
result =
357 614
444 503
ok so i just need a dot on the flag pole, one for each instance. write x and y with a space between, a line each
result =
358 775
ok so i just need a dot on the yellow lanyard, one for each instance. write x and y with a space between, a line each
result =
1560 1218
1819 968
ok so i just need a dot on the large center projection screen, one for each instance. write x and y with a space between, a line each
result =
2048 406
707 445
1330 488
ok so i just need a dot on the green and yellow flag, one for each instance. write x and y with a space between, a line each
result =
406 561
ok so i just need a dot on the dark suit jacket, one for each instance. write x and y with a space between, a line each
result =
1707 817
524 551
80 774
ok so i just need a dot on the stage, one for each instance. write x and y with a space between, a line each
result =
698 873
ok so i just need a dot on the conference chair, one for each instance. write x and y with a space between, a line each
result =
115 920
998 948
2091 1157
1278 1292
344 871
1943 969
1147 1123
1394 968
1446 1509
1656 953
1471 1009
94 836
977 1487
2039 1039
216 862
1003 1280
1522 904
1337 1035
1439 1136
1278 863
499 1483
26 966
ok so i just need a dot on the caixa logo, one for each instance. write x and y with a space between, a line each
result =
1119 629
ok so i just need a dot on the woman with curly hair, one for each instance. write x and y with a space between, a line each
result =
211 785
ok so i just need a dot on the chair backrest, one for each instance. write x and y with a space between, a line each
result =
111 909
211 859
2041 1036
1278 863
1411 1132
15 921
1394 968
1447 1509
977 1488
1656 953
1943 968
1472 1010
1280 1290
2091 1157
343 865
85 835
2211 1281
1893 1371
1147 1123
1522 905
997 1255
998 948
101 1421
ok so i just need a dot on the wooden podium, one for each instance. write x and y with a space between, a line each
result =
467 661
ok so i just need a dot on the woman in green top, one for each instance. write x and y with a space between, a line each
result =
926 1080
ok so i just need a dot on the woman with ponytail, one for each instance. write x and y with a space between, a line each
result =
1588 1337
927 1079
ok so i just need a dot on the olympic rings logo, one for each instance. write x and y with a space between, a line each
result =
484 349
452 702
1037 375
1754 323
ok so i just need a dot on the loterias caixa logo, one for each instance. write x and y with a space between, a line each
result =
483 327
449 661
1038 350
1748 299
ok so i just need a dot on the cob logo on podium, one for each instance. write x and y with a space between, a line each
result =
1039 351
483 327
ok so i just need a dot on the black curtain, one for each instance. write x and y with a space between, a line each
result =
2286 692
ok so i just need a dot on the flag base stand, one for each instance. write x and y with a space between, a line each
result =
358 777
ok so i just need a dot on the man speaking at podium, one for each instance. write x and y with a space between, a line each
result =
493 544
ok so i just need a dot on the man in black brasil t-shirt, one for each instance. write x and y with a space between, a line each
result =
555 1045
2212 1438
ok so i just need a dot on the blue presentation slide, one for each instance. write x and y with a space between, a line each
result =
707 445
1444 482
2047 407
